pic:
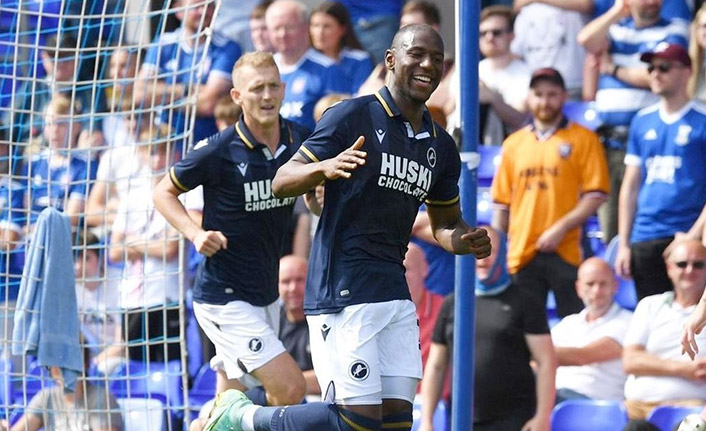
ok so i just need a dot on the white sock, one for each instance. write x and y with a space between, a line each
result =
247 423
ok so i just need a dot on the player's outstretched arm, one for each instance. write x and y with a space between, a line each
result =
454 235
299 176
693 326
166 200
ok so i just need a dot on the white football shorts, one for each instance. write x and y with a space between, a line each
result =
245 336
362 347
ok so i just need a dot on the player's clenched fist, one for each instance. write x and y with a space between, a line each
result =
347 161
208 242
477 242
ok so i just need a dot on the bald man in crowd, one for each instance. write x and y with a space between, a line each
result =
589 344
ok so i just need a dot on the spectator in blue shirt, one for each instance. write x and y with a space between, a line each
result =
176 62
332 34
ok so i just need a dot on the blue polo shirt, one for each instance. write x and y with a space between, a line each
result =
312 78
53 186
236 172
366 223
176 62
670 151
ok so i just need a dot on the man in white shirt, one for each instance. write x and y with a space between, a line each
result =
652 355
589 344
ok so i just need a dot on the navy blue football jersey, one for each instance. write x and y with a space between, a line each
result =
367 219
236 172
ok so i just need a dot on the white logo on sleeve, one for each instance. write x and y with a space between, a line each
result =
380 134
202 143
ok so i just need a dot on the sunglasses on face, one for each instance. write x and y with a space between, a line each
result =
494 32
696 264
663 68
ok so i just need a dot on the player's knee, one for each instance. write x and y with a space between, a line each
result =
290 392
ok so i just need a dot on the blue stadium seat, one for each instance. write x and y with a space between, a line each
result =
36 380
441 416
595 236
489 161
626 296
666 418
204 388
136 379
583 113
589 415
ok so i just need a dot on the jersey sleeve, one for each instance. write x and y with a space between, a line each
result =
223 63
501 188
200 166
594 172
632 153
330 137
445 190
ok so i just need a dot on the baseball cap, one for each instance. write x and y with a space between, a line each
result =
547 74
668 51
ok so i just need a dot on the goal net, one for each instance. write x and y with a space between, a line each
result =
90 119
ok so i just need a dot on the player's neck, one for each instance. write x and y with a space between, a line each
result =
545 126
411 110
674 103
295 316
501 61
268 134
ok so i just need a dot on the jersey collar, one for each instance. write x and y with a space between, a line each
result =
543 136
249 140
388 104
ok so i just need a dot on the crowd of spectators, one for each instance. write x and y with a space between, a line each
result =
95 152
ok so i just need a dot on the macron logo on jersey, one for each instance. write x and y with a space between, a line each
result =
404 175
258 196
380 134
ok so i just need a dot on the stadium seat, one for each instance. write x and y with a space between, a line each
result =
136 379
595 236
666 418
489 161
589 415
142 414
583 113
626 296
204 388
441 417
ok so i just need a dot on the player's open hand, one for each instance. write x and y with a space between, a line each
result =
693 326
209 242
347 161
478 242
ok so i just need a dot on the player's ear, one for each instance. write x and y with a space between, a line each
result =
235 95
390 59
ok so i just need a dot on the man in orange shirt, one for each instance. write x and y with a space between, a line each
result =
552 177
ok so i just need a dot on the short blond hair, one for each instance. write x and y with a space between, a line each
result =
61 105
226 110
255 60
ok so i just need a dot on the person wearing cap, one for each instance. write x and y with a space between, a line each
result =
617 37
664 189
551 178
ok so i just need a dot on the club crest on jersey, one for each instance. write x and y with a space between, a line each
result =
431 157
299 85
359 370
683 132
564 150
255 345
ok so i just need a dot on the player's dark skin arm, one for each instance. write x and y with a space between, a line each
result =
299 176
454 235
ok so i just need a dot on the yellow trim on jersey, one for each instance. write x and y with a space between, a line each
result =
309 154
176 182
433 126
352 424
384 104
398 425
442 203
243 137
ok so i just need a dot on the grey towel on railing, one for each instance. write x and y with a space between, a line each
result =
46 318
